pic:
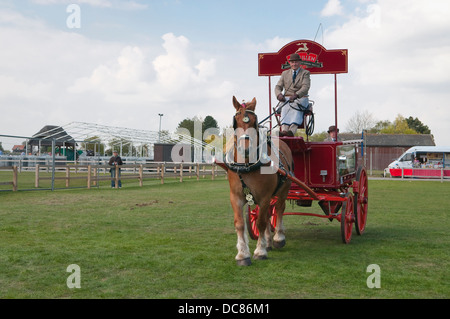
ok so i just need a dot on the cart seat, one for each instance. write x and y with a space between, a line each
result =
307 112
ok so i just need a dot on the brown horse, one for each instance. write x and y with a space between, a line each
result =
250 182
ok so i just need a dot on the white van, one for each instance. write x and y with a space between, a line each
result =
423 157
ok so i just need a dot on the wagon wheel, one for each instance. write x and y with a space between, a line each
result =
252 216
347 218
360 200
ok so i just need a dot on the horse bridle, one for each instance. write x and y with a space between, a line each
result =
243 168
246 119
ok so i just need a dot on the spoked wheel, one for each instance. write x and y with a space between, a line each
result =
347 218
252 216
361 200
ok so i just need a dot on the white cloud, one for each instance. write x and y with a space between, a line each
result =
26 90
56 77
178 71
333 7
175 82
398 62
206 69
170 77
12 18
173 67
123 77
274 44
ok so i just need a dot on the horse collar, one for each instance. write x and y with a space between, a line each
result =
243 168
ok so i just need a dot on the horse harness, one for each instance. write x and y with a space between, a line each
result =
263 160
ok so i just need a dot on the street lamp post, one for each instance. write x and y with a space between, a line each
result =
159 134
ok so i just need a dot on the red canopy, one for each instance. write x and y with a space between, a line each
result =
315 58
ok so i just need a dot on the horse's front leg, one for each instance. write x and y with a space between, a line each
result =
262 223
243 255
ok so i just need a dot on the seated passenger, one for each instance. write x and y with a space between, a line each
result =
296 83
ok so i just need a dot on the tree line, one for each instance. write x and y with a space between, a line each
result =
401 125
359 122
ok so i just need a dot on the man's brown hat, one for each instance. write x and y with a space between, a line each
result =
294 57
332 128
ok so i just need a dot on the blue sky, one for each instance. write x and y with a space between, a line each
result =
131 60
221 21
202 21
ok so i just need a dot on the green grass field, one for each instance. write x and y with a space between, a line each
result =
177 240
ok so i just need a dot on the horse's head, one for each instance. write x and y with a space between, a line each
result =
245 116
245 125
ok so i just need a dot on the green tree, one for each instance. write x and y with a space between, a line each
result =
189 124
379 126
209 122
317 137
417 125
400 126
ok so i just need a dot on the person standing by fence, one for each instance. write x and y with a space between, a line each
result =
115 161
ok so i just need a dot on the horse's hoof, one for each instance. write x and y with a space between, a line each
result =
259 257
279 244
269 248
244 262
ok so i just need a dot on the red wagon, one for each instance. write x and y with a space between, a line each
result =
331 173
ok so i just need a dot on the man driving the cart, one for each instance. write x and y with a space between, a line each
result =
295 83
